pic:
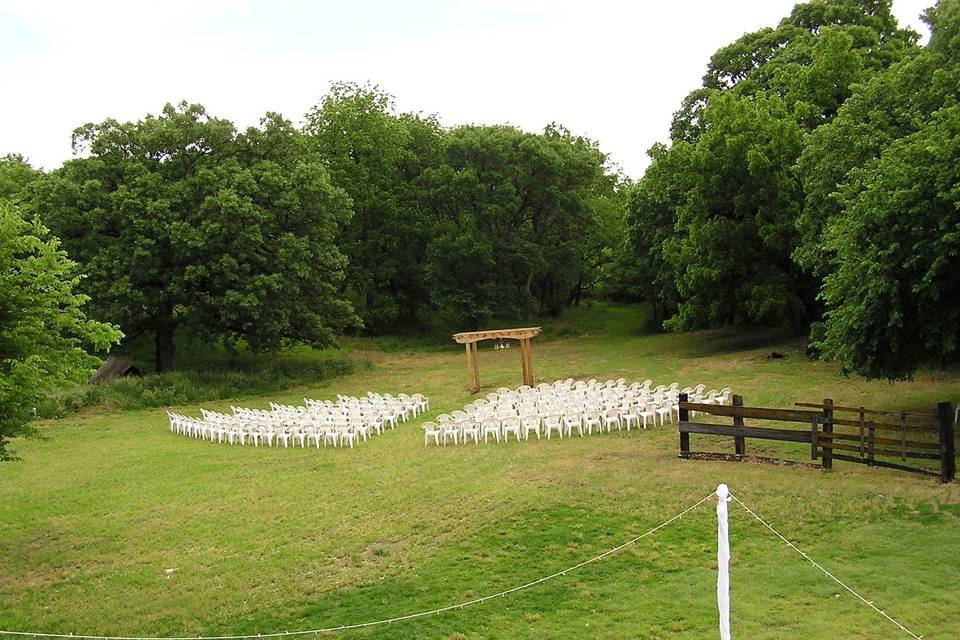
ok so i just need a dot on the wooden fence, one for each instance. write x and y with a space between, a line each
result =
852 434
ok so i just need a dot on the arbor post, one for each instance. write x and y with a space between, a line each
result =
473 371
526 361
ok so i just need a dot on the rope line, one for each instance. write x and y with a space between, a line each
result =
361 625
830 575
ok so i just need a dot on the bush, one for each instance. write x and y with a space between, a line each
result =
193 387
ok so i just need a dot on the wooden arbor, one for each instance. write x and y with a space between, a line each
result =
470 339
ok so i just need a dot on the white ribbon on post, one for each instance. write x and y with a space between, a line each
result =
723 562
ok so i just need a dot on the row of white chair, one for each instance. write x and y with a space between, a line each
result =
346 421
566 406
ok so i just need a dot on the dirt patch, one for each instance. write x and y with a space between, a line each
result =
729 457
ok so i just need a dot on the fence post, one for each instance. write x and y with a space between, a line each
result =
948 461
827 455
684 437
814 436
739 442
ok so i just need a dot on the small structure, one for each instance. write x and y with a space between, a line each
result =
470 339
114 368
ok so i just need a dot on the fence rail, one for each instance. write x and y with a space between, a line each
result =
830 437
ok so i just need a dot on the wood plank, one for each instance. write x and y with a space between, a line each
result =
880 452
476 366
929 446
882 463
814 437
515 334
826 456
756 413
763 433
684 437
874 412
885 426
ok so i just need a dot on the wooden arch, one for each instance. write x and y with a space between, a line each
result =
470 339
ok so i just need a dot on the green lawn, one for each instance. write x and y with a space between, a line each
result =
111 525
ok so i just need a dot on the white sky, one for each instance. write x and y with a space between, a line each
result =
614 71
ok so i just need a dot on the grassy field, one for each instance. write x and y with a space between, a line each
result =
111 525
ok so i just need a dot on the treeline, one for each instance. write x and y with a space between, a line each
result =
363 220
812 180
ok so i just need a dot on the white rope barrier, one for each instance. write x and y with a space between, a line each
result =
362 625
830 575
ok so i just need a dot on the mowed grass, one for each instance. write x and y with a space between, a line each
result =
111 525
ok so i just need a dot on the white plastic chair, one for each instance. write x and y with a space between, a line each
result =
469 427
553 422
611 417
450 429
593 419
571 420
630 416
510 424
431 430
531 423
490 424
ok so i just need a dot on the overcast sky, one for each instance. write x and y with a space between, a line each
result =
614 71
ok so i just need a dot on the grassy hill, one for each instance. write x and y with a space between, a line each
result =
112 525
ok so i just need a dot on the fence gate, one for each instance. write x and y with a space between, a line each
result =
898 440
892 439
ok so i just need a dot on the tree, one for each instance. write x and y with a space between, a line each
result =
184 224
533 202
16 175
889 106
44 332
736 219
890 248
891 301
728 184
376 156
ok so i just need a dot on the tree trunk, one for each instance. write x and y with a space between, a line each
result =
527 307
165 347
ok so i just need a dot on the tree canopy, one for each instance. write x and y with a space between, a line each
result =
811 181
376 156
518 216
887 238
185 224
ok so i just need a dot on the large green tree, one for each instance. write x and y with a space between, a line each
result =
185 224
728 182
376 156
651 220
44 333
887 235
736 220
522 215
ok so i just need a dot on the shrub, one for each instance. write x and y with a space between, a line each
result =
192 387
